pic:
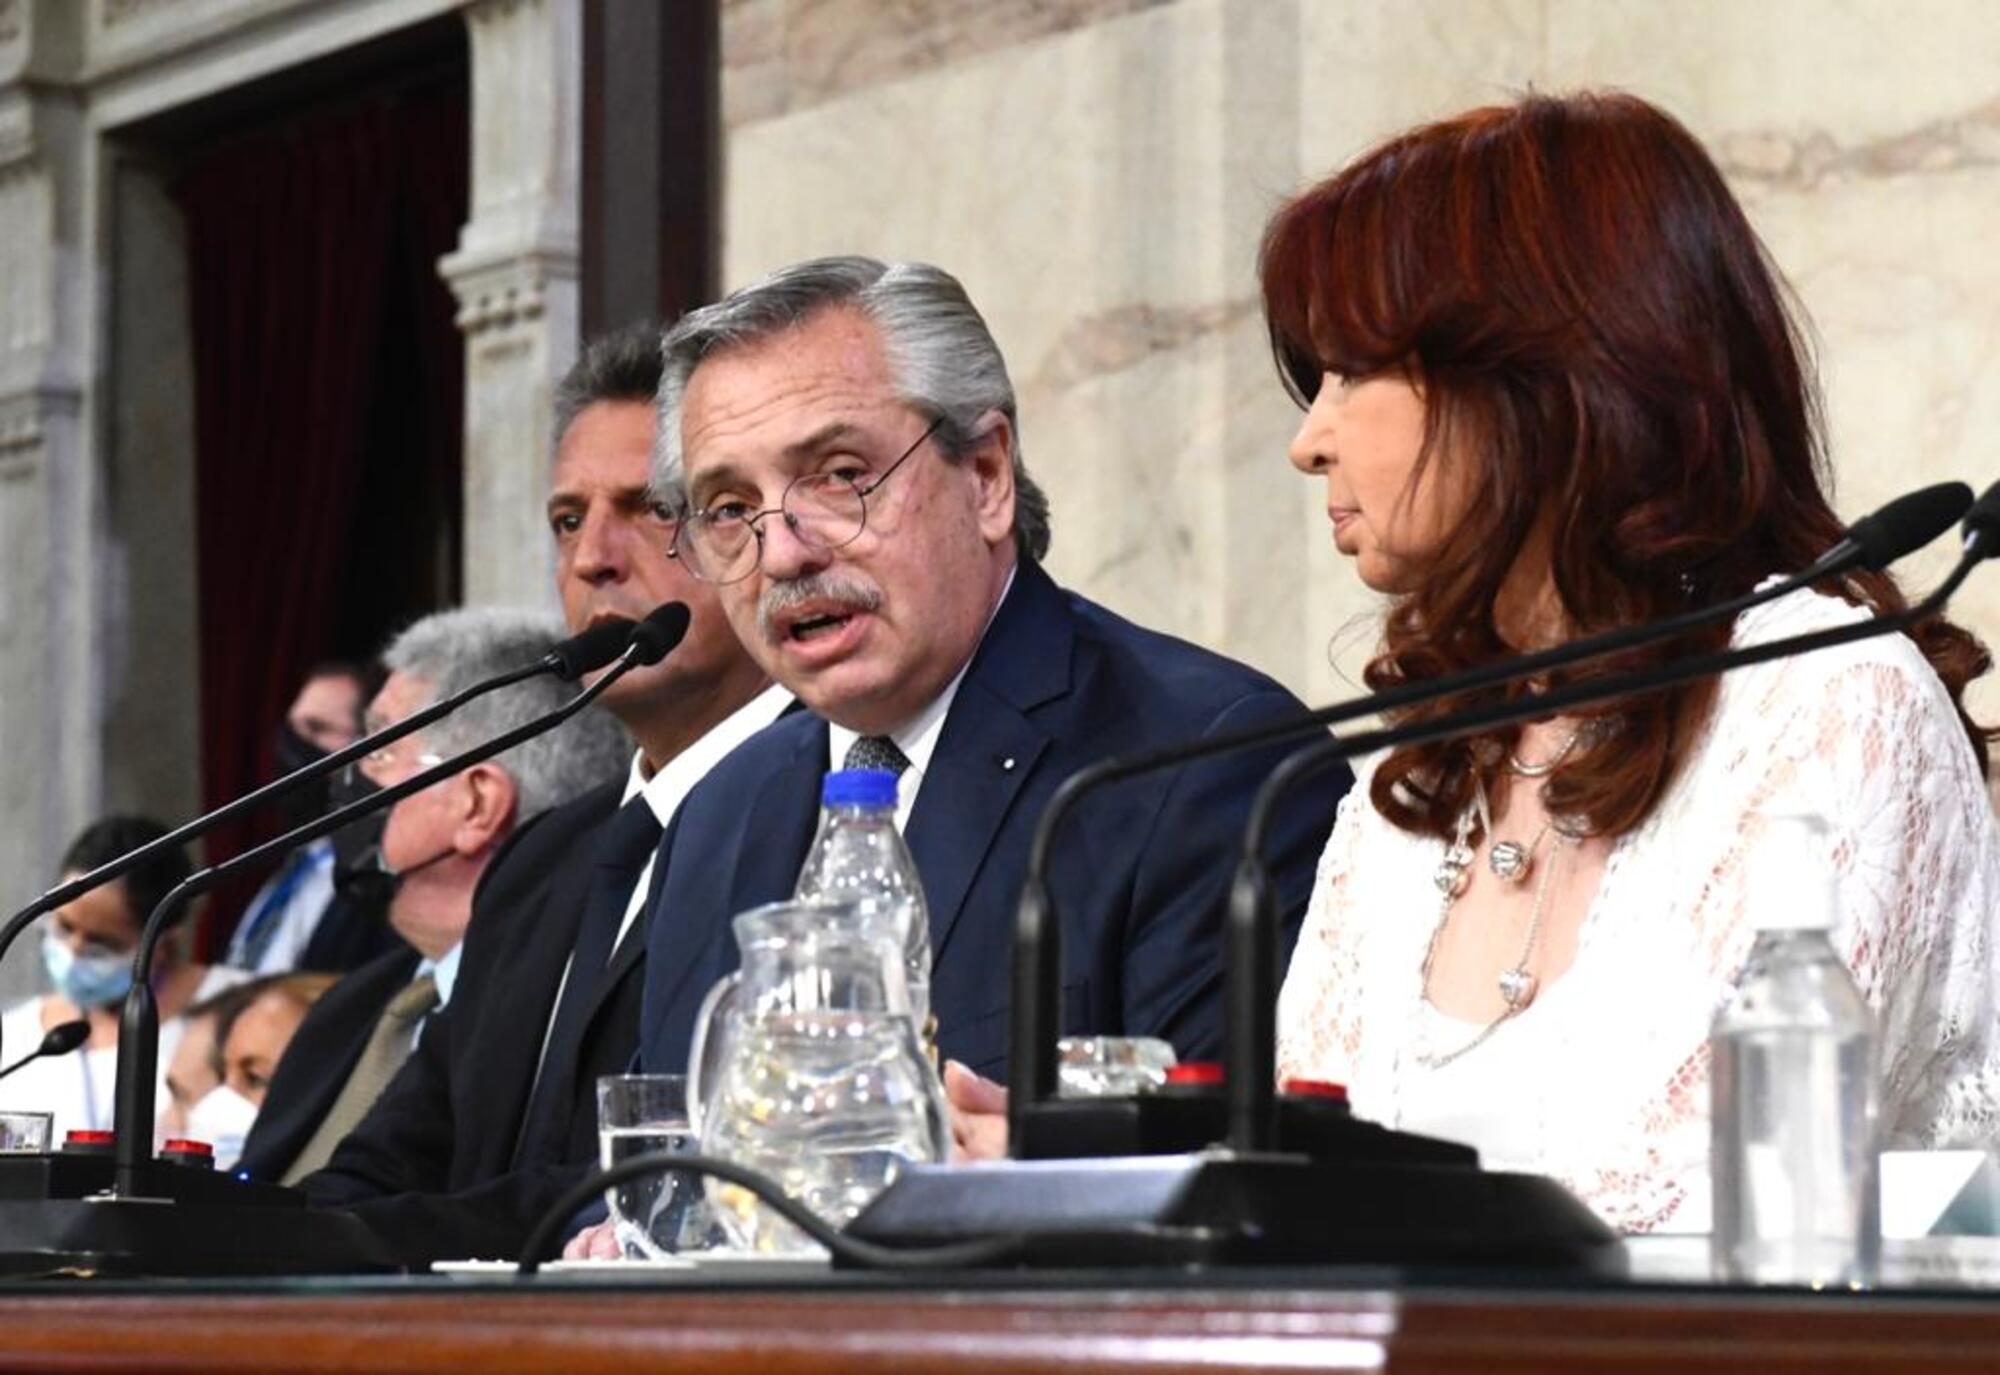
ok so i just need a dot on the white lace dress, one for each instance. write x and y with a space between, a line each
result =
1603 1081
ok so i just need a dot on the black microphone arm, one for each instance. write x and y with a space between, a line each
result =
1873 542
570 660
139 1023
1252 942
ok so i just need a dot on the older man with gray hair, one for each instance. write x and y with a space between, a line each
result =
433 847
844 441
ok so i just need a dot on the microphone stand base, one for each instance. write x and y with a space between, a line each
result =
57 1220
1218 1210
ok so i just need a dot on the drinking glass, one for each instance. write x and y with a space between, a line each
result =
25 1132
1111 1066
660 1214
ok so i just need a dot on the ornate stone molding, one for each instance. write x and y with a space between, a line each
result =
497 293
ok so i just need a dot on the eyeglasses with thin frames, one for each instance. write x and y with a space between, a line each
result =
823 511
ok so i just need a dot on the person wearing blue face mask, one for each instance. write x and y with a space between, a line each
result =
87 948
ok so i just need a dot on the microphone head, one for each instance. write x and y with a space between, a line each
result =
597 646
657 635
64 1038
1908 523
1982 524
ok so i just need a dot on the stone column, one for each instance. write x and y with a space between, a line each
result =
49 675
515 275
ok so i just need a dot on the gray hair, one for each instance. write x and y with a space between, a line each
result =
452 650
621 366
943 357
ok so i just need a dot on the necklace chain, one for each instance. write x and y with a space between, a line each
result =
1518 985
1542 768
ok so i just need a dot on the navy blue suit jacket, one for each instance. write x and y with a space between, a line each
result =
1140 871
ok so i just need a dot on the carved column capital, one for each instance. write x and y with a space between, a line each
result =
515 277
498 292
40 40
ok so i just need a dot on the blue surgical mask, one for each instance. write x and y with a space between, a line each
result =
86 980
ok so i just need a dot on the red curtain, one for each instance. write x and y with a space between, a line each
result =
301 245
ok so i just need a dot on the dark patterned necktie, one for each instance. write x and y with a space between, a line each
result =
876 752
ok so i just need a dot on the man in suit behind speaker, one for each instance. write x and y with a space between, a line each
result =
432 849
843 439
495 1113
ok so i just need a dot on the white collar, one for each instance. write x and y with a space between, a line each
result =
917 737
676 778
443 971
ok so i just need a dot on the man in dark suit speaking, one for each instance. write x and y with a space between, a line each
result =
844 440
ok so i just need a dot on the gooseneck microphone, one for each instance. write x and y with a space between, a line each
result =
591 649
1873 542
138 1035
61 1039
1253 924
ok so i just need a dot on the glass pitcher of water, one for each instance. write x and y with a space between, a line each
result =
806 1067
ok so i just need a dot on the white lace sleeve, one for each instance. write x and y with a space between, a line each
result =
1869 740
1919 873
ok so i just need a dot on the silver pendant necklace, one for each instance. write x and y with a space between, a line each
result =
1508 860
1517 984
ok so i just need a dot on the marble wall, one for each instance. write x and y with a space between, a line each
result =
1098 171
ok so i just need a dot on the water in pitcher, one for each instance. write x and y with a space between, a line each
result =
831 1105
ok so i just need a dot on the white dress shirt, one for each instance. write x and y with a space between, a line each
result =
669 787
664 792
917 737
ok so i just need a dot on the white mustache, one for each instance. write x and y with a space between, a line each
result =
780 597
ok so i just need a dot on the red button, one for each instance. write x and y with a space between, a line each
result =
1196 1072
1313 1088
180 1145
80 1137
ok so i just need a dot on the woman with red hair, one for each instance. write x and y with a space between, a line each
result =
1553 387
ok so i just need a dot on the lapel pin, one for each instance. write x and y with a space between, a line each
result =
1008 763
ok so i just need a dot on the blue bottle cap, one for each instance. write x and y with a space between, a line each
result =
859 788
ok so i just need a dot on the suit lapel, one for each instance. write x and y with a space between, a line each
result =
516 1017
777 829
989 746
983 757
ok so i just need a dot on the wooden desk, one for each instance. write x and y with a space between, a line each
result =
434 1327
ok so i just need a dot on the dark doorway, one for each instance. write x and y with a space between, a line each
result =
328 376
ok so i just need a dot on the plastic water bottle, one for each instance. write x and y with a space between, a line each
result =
1792 1122
859 857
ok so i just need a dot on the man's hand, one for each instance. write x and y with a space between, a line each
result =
978 1114
599 1241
